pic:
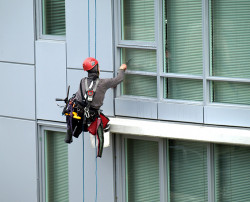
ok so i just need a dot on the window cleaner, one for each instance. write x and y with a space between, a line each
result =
82 111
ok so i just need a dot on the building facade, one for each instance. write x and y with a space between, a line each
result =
179 121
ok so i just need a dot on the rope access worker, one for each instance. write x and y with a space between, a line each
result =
93 90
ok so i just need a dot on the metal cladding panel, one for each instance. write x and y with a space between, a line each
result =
17 90
75 154
231 115
50 79
17 31
104 172
136 108
74 77
77 32
180 112
104 35
95 27
18 177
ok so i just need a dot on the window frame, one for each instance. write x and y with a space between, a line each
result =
120 164
42 128
39 24
206 111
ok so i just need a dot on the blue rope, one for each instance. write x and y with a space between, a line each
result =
88 32
95 28
83 161
96 190
95 171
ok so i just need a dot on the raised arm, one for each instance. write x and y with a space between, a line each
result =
113 82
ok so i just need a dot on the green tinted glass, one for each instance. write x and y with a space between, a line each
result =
53 17
142 171
232 171
183 89
230 32
56 164
138 20
188 171
230 92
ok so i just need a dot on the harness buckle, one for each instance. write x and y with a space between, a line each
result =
86 112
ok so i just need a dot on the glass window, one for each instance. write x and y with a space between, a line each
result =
183 89
53 17
230 92
187 171
56 167
232 171
230 44
138 20
142 170
183 49
140 79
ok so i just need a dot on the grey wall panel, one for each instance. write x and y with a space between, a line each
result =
77 32
17 31
75 154
18 177
17 90
50 79
222 115
101 39
135 108
105 173
108 104
104 37
180 112
73 79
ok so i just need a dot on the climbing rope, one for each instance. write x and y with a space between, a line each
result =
83 133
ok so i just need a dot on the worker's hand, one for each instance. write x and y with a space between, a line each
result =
123 66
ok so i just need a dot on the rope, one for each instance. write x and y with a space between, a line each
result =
96 190
88 32
83 162
95 137
95 28
95 171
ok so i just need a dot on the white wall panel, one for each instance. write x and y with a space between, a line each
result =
74 77
50 78
17 90
18 177
17 31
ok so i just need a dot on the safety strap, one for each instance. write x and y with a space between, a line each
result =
90 93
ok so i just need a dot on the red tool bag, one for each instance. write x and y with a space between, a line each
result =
93 126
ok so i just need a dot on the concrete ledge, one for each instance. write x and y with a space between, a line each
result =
173 130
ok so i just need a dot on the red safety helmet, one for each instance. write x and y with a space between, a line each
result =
89 63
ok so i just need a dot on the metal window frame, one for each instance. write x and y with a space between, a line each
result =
121 166
42 128
205 111
39 24
164 171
